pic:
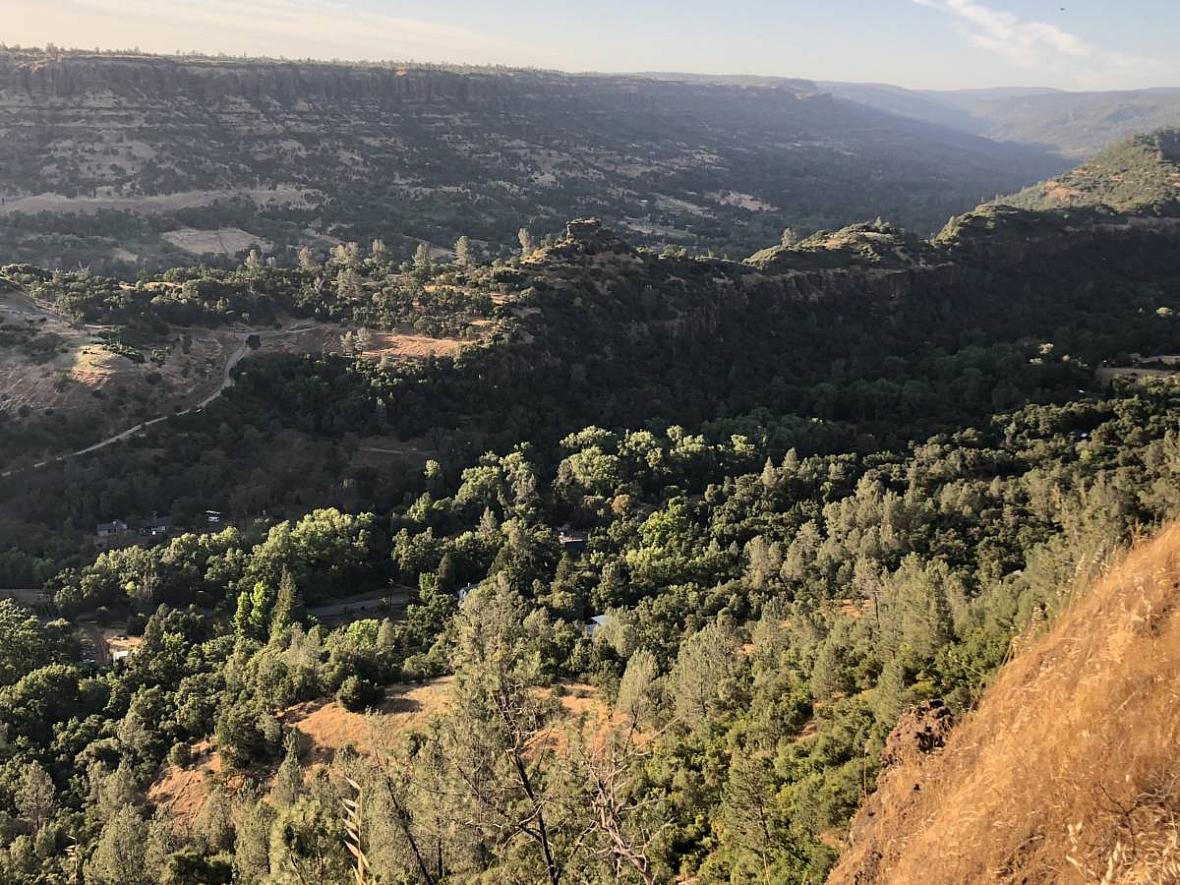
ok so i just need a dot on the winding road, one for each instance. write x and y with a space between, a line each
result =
226 382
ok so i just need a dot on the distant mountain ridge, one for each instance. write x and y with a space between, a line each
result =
295 152
1074 125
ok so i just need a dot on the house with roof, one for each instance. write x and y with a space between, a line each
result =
156 527
111 529
572 541
595 624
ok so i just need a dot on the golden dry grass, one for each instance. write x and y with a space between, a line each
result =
329 728
183 790
411 346
326 728
1069 771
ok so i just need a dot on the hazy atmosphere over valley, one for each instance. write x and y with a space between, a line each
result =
628 442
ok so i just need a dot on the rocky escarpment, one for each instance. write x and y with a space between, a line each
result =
69 76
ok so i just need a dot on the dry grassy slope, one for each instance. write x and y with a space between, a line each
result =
326 728
1069 771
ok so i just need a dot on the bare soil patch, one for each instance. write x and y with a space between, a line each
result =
49 202
183 790
223 241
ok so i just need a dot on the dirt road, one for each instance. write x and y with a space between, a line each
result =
227 381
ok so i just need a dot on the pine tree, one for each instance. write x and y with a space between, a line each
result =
422 261
489 526
379 253
35 794
463 256
890 697
119 858
288 783
636 698
307 262
362 340
213 823
347 255
253 821
769 475
348 285
699 679
288 607
161 843
526 242
496 716
748 811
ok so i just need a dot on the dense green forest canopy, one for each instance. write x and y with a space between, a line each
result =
800 493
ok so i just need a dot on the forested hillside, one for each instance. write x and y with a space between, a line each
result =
117 160
1140 174
637 578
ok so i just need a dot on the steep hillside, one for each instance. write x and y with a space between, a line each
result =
861 334
1138 175
184 149
1068 770
1075 125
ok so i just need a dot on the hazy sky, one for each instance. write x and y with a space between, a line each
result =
1088 44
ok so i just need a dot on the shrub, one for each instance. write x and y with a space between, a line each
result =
181 754
357 694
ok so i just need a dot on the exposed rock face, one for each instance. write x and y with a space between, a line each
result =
587 236
922 730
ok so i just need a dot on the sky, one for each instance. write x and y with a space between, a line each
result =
931 44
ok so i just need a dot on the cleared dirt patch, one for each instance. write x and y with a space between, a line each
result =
281 196
411 346
223 241
183 790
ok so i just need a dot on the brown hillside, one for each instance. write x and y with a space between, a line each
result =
326 728
1069 771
